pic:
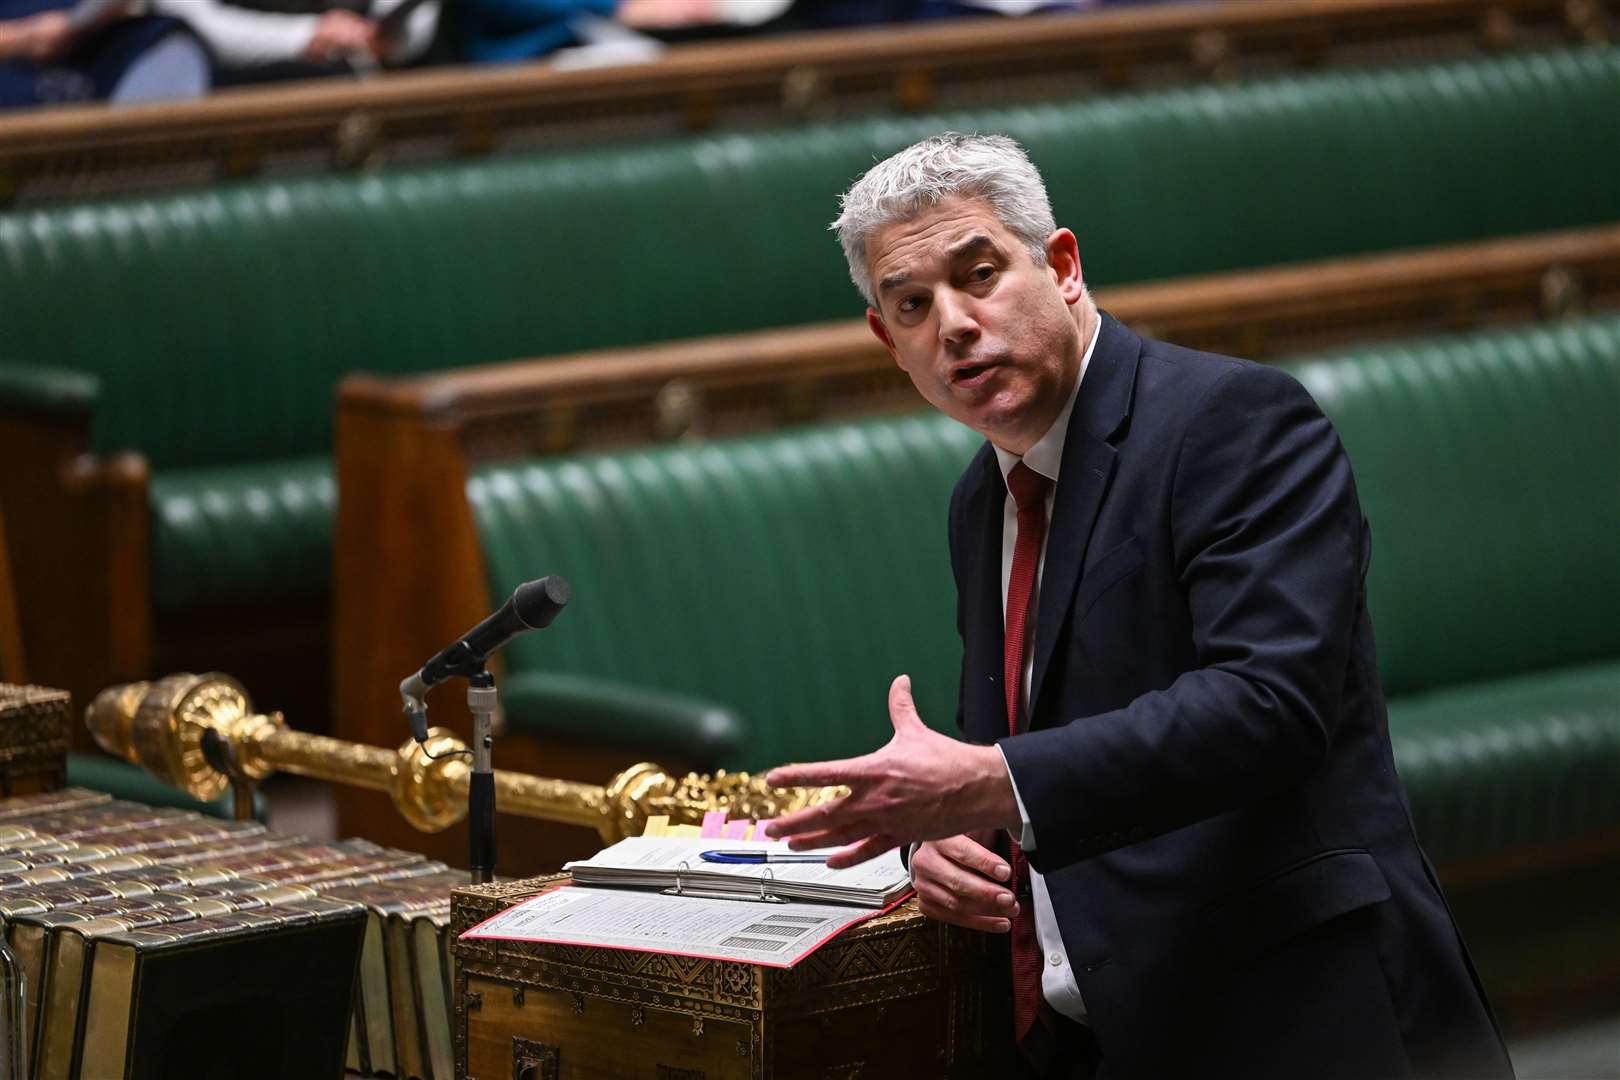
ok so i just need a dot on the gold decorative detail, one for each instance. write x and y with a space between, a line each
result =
1562 295
638 1016
517 997
678 410
475 1001
697 1027
164 727
802 90
1212 53
357 143
1496 29
578 1002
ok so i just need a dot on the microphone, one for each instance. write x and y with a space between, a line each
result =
532 606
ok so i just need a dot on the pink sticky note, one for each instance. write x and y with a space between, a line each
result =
738 830
714 823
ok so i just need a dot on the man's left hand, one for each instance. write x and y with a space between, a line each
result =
920 786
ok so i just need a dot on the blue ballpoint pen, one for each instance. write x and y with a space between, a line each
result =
745 856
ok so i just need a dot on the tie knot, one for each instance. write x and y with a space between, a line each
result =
1028 487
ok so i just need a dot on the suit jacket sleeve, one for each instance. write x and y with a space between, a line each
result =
1266 534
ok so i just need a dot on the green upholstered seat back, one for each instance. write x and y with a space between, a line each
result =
1489 469
789 576
220 320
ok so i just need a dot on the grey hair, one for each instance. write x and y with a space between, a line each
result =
989 167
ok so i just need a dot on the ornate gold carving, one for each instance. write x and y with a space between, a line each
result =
578 1002
638 1016
162 726
697 1027
475 1000
517 997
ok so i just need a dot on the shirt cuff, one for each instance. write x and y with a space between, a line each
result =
1026 834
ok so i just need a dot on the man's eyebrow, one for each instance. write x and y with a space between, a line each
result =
972 245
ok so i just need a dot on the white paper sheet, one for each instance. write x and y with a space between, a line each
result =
771 935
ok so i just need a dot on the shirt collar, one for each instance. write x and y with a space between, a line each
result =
1046 456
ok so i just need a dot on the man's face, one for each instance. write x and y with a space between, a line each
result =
987 336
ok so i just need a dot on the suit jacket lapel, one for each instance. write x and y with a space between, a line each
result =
985 718
1100 411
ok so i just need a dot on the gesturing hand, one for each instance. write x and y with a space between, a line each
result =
956 883
920 786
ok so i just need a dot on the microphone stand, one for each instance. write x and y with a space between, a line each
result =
533 606
482 700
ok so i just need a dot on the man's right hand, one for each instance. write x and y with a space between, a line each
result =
958 881
339 33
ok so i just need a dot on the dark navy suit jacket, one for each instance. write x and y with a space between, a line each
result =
1208 771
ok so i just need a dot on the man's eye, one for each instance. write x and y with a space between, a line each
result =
982 273
909 304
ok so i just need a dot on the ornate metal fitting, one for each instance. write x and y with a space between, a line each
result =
678 410
475 1000
578 1001
697 1027
638 1016
517 997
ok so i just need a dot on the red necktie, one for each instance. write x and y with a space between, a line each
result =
1028 489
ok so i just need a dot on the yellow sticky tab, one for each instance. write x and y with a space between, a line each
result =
657 825
683 831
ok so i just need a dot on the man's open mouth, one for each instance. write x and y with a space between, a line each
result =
970 373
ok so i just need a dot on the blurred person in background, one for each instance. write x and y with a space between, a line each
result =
265 40
58 52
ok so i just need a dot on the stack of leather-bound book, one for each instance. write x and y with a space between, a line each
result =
159 942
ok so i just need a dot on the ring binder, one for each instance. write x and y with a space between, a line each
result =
680 888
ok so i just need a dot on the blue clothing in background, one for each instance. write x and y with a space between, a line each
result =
91 71
492 31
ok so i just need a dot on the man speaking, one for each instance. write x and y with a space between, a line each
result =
1176 792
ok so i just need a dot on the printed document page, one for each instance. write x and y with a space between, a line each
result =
772 935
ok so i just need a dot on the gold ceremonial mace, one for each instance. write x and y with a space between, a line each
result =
200 733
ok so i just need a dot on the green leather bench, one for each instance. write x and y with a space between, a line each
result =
747 601
206 330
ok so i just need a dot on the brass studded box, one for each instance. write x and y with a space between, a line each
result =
899 995
33 739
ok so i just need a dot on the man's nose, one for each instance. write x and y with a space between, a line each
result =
957 324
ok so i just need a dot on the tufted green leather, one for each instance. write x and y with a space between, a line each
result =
788 577
242 533
1489 469
220 320
605 712
1512 762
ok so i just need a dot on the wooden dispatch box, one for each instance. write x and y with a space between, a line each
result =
899 995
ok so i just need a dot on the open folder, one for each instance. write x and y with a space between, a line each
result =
660 862
657 894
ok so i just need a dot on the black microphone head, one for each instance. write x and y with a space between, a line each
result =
537 602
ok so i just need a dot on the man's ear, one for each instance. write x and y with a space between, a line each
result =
881 332
1063 255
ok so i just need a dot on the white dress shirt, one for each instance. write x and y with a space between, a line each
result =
1045 457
